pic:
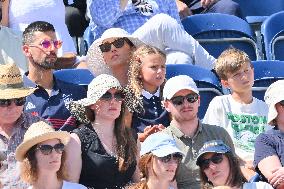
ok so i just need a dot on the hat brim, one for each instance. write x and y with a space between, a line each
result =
221 151
95 61
23 148
173 92
162 152
16 93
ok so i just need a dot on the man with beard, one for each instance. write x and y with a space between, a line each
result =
49 101
181 99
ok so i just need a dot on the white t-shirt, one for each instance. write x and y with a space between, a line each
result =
69 185
244 122
257 185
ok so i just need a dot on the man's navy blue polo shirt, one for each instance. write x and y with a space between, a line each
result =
53 108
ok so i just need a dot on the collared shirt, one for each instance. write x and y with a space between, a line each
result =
53 107
188 172
105 14
9 172
154 113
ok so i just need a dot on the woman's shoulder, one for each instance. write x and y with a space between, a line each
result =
71 185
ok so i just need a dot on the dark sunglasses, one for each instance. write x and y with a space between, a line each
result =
177 157
46 44
47 149
8 102
118 96
118 43
216 159
281 102
178 100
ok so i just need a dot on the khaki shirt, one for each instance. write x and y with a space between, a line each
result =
188 172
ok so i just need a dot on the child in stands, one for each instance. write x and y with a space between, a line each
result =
241 114
146 77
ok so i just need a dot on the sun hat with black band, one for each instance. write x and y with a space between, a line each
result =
216 146
159 144
11 82
39 132
95 61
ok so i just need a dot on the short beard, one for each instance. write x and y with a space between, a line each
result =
45 65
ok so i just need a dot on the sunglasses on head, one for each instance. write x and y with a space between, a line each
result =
46 149
118 43
281 102
177 157
216 159
8 102
118 96
179 100
47 44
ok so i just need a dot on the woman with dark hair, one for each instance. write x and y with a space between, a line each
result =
102 153
159 161
42 158
219 166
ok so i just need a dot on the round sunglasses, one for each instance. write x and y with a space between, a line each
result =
118 43
216 159
8 102
177 157
46 149
179 100
118 96
47 44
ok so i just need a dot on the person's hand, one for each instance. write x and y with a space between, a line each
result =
183 9
277 177
207 3
150 130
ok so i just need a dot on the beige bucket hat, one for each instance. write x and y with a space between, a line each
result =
95 60
11 82
273 95
37 133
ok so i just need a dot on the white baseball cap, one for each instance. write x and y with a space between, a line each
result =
177 83
273 95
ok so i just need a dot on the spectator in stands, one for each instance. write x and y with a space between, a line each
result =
159 161
181 99
75 17
241 114
146 76
269 153
13 122
102 153
43 157
219 166
155 22
49 101
190 7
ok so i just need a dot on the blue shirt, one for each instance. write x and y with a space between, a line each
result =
53 108
154 113
105 14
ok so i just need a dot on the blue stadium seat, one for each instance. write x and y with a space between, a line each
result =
75 76
265 73
206 81
88 38
216 32
272 31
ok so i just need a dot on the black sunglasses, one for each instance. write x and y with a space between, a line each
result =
47 149
177 157
118 96
281 102
8 102
216 159
178 100
118 43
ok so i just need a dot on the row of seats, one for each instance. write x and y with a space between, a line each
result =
266 72
216 32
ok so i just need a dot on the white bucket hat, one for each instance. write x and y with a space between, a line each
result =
177 83
95 60
273 95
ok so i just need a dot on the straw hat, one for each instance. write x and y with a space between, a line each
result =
96 89
273 95
11 82
37 133
95 60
